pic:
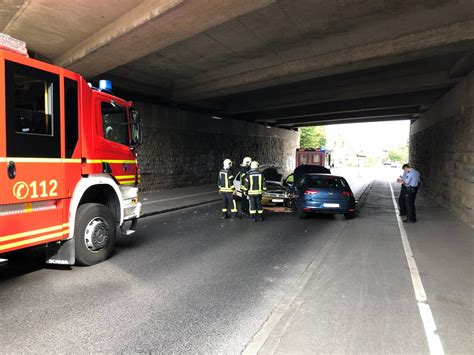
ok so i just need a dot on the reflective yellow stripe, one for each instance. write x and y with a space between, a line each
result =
123 177
33 232
28 207
33 240
111 161
233 210
127 182
39 160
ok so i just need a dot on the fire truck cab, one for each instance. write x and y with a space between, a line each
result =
68 165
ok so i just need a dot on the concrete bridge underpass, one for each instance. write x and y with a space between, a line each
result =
231 78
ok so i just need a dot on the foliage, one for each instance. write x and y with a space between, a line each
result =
313 137
399 154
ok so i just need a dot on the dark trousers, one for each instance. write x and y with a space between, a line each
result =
410 196
244 205
255 204
228 203
401 201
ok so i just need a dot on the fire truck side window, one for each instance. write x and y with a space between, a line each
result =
33 105
115 123
32 111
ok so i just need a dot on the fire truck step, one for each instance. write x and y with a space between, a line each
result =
3 262
132 228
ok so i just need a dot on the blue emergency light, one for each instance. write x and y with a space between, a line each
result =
105 85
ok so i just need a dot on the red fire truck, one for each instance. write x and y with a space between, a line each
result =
313 156
68 164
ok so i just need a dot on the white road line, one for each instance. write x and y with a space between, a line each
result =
434 342
179 197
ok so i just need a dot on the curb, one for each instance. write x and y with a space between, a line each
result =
150 214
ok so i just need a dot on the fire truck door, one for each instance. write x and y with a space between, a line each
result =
33 138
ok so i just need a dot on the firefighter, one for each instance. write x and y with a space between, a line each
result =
254 186
244 169
226 190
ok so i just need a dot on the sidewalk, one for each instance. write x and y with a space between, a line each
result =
175 199
357 295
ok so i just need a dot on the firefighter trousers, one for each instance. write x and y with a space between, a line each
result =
244 205
228 203
255 205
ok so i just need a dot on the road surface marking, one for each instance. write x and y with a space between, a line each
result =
177 198
264 334
434 342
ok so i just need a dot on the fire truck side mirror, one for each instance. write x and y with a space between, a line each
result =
137 138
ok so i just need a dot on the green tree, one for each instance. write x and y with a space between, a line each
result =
313 137
399 154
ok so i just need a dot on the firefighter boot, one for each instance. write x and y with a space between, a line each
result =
224 215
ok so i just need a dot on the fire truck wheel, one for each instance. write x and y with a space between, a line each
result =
94 233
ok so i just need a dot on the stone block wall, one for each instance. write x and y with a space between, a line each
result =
442 149
183 148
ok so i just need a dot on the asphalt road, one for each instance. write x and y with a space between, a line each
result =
188 282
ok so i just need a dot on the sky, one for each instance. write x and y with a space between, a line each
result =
371 138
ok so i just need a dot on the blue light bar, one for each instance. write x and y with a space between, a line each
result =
105 85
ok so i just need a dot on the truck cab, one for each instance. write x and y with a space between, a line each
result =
68 162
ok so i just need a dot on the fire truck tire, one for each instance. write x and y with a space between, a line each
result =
94 234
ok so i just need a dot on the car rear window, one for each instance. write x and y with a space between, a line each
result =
326 181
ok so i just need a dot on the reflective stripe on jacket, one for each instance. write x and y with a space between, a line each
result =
255 183
225 181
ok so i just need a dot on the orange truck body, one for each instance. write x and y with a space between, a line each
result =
54 149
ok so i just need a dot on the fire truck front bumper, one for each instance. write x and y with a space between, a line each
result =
132 209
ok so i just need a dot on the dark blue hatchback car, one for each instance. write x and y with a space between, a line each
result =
324 193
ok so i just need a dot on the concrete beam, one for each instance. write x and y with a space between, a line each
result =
351 120
150 27
10 11
333 90
463 66
372 103
128 22
359 115
445 39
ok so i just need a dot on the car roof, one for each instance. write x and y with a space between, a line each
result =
325 175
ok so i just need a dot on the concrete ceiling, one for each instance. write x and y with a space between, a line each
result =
285 63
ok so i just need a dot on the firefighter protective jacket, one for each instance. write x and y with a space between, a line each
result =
244 170
254 183
226 181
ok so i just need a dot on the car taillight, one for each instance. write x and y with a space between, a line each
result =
311 192
346 193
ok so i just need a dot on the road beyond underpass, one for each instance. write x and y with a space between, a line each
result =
189 282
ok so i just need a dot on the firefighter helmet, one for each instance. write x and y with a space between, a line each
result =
227 164
246 161
254 165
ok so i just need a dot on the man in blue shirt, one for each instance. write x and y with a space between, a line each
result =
401 198
411 182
